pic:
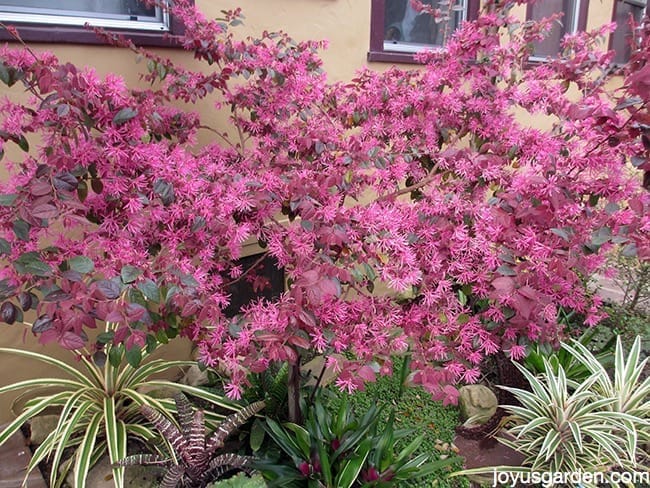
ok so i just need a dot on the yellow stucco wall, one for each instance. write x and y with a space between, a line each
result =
344 23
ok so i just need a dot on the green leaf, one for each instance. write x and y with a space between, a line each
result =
134 356
152 344
284 440
21 229
165 191
257 435
81 264
8 199
38 383
150 290
23 143
115 439
5 247
39 268
115 356
124 116
85 451
29 413
161 336
303 439
351 469
82 192
561 233
43 451
601 236
66 430
342 417
506 270
410 449
218 400
129 274
4 74
325 462
24 259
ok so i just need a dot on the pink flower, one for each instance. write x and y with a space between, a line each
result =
517 352
233 391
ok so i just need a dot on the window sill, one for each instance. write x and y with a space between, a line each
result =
392 57
81 35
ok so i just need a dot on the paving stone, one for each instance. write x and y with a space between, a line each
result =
14 457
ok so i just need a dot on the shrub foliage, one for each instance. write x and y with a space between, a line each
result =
482 192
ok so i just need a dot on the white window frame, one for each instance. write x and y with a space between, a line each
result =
34 15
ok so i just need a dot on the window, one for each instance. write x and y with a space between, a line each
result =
573 20
398 31
64 20
621 38
267 283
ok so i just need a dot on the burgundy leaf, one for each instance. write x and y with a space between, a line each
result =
42 324
8 312
298 341
65 182
26 300
70 340
45 211
109 290
57 296
504 285
366 373
40 188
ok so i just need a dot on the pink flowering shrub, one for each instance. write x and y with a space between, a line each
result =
636 100
438 183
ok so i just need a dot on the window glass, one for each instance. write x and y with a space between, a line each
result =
408 30
80 7
108 13
550 46
622 36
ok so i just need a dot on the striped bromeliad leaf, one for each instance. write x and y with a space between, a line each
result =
193 460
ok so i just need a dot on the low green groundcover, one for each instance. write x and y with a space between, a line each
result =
414 409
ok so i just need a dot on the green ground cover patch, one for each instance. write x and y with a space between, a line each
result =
414 409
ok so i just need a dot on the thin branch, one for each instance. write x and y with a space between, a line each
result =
423 182
220 135
318 381
242 141
14 33
250 268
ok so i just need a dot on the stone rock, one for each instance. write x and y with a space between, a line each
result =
477 402
194 376
41 426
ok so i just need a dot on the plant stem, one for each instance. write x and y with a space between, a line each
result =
293 392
